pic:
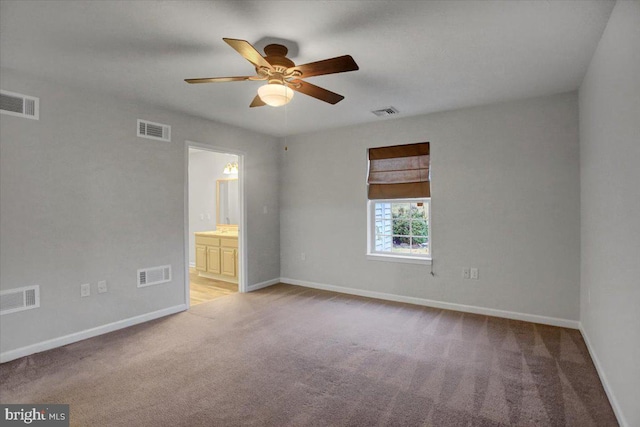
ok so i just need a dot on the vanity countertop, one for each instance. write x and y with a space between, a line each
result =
217 233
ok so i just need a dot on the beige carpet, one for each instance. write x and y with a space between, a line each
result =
287 355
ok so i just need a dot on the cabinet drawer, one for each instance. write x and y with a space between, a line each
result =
229 243
207 241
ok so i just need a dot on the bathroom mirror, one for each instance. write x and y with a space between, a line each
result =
227 206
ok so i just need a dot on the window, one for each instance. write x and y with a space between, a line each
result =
399 207
400 228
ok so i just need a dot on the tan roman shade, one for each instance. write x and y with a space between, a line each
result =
399 172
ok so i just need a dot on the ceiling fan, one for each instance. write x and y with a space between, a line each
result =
283 75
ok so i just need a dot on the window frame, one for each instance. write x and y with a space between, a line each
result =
374 255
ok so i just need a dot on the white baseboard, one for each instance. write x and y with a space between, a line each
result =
565 323
261 285
88 333
603 379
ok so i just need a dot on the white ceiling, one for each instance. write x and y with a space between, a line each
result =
418 56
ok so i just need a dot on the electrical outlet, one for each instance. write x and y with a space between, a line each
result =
474 273
303 256
102 286
466 273
85 290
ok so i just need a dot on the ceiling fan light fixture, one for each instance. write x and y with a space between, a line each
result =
275 94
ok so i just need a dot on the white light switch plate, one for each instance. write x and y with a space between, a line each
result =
102 286
85 290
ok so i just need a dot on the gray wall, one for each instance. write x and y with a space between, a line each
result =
610 207
83 199
505 199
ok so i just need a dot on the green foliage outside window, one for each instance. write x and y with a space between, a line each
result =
409 220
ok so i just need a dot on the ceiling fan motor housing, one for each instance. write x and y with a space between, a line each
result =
276 56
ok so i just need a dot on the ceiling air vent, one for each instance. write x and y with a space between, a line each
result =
154 275
154 130
19 299
388 111
16 104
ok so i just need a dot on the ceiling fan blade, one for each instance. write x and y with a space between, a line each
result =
339 64
218 79
257 102
249 52
316 91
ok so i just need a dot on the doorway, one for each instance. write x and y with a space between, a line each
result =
214 212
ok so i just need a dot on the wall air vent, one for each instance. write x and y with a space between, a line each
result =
387 111
19 299
16 104
154 275
154 130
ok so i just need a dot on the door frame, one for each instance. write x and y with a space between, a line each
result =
242 226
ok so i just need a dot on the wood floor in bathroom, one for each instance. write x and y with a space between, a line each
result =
202 289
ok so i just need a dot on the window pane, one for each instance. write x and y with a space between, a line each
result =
383 210
419 210
401 244
420 246
401 227
400 210
401 240
419 228
383 244
383 226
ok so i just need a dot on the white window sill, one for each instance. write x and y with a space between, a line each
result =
398 258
